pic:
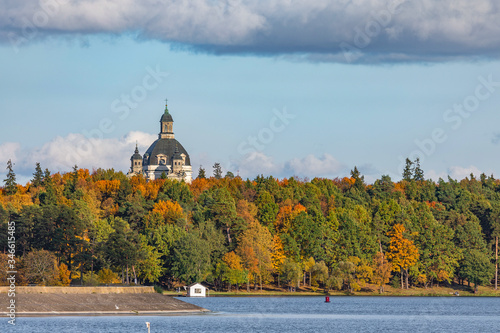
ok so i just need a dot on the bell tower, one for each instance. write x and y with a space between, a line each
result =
166 125
136 161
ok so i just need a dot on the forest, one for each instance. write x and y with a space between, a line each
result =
101 227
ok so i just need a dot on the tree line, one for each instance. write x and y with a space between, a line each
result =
102 227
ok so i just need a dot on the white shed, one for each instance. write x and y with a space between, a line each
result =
196 290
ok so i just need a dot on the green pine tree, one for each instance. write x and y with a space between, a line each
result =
10 181
49 196
418 173
217 171
201 173
408 170
359 180
37 176
70 186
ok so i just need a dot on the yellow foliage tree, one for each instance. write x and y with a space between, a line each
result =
255 247
170 211
107 276
277 256
64 275
235 273
402 252
381 271
308 266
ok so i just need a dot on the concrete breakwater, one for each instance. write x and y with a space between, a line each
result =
85 301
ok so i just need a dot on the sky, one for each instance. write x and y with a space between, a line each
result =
279 87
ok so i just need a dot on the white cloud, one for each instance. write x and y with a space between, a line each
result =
459 173
62 153
376 30
256 163
434 175
9 151
455 172
311 166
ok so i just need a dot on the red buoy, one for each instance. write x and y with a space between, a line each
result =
327 299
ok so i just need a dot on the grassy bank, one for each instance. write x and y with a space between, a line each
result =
369 290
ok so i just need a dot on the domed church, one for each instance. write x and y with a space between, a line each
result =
165 155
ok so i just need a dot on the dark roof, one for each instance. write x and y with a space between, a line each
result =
166 117
136 155
167 147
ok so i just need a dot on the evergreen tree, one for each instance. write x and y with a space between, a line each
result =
49 196
217 171
70 186
418 173
37 176
408 170
477 268
10 181
229 175
359 180
201 173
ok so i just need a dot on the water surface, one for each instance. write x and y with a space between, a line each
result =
296 314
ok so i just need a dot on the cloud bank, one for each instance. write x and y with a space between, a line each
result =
62 153
257 163
346 31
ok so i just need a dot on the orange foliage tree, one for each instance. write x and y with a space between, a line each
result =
402 252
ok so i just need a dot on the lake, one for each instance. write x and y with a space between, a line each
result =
295 314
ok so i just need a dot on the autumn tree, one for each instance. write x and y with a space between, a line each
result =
320 273
41 267
345 272
235 274
292 273
254 248
402 252
381 271
308 268
277 256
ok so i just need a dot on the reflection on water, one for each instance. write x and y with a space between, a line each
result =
296 314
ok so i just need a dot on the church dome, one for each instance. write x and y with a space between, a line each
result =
165 147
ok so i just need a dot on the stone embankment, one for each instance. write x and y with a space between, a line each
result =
88 301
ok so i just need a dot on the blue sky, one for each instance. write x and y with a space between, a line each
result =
260 89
